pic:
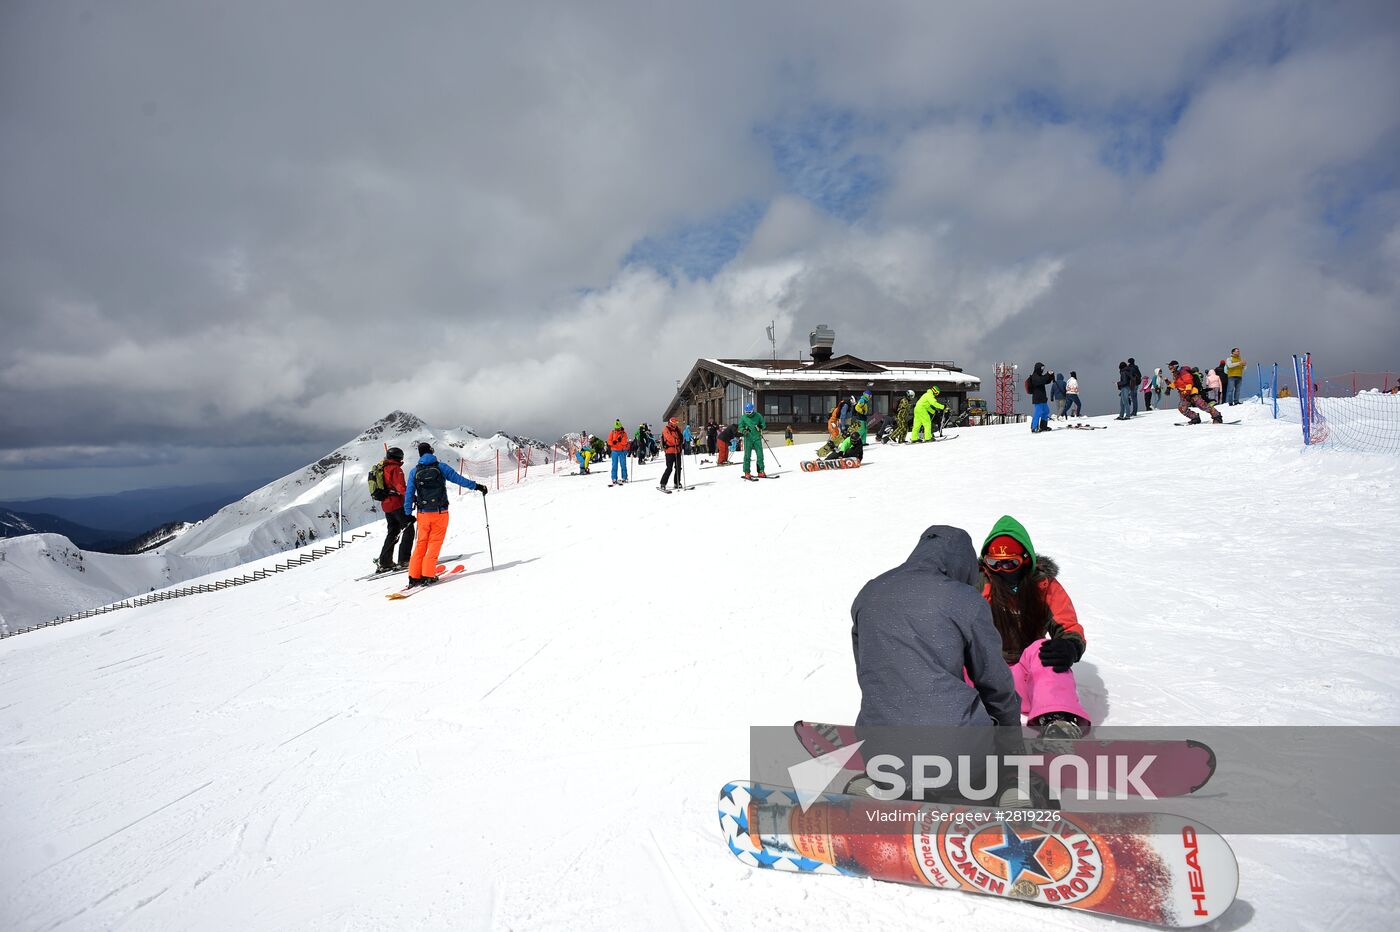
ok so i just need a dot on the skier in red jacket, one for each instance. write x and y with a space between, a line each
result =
398 522
671 441
1190 395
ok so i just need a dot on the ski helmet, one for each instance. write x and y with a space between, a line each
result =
909 392
748 408
394 453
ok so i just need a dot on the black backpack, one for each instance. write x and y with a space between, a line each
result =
429 488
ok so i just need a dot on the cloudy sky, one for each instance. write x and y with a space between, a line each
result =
233 234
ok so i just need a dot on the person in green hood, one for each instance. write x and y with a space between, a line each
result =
751 428
1041 637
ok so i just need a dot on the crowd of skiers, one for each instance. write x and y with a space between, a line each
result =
918 419
676 441
1195 390
848 427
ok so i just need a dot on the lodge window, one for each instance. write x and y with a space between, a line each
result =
734 399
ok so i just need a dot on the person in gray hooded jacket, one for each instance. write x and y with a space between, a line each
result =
917 627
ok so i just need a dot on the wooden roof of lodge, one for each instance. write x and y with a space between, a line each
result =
798 373
841 369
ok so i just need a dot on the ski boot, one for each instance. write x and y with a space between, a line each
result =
1060 726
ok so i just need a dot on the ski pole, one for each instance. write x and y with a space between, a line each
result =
770 450
491 550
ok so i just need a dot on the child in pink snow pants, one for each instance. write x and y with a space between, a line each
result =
1041 637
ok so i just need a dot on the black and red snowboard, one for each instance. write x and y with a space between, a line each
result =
1177 768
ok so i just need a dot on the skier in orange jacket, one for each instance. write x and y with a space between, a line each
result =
618 444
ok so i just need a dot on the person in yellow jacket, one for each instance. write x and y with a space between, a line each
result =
923 414
1234 373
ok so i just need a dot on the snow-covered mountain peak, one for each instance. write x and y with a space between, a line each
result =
395 423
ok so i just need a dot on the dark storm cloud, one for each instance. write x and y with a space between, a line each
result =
270 224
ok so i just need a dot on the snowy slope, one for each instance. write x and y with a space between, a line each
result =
541 746
45 576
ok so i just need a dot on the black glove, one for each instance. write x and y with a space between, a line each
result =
481 489
1059 654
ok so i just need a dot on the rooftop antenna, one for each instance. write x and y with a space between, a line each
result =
772 340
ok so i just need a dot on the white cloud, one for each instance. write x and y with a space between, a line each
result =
204 238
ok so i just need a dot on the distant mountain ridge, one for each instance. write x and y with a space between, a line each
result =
17 524
137 511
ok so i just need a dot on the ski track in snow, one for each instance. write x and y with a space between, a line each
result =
542 747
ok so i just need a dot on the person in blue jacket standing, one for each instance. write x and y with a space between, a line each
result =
426 490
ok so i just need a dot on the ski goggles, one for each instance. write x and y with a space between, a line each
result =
1008 565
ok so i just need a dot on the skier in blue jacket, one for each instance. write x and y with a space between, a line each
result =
426 490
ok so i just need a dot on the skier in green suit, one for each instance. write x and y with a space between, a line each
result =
751 426
923 414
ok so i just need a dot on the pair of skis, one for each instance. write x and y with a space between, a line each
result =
1155 868
443 575
378 574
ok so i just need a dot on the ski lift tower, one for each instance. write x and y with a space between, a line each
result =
1005 405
